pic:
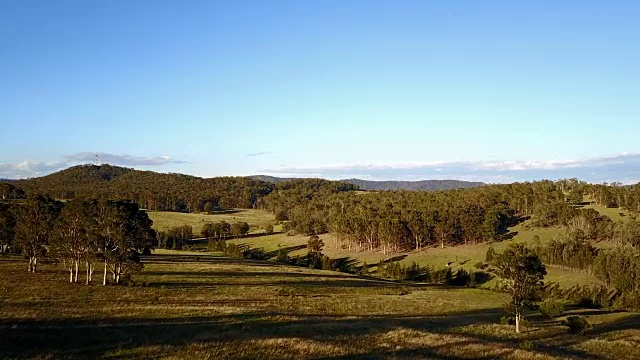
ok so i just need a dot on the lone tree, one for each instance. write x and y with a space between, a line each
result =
521 272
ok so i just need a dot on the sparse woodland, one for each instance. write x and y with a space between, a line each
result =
85 235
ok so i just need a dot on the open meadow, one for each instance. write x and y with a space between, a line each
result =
461 256
257 219
193 305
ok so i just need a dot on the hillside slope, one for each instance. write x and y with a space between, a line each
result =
374 185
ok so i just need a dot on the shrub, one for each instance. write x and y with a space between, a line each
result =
507 320
526 345
551 308
256 254
268 229
283 257
479 265
233 250
576 324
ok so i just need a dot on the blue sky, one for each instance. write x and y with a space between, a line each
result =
494 91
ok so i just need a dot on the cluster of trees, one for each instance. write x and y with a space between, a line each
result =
153 191
175 238
80 232
617 267
222 230
9 191
406 220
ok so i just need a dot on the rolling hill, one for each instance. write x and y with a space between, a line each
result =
429 185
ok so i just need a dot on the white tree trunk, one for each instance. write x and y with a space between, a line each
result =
104 280
35 264
518 315
30 264
76 277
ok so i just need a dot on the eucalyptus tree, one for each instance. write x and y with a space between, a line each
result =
34 227
521 273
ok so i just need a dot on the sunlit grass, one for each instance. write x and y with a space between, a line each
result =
192 305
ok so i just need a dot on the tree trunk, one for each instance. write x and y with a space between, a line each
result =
70 273
88 273
518 315
76 278
35 264
30 263
104 280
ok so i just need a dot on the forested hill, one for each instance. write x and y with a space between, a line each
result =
160 191
391 185
152 190
413 185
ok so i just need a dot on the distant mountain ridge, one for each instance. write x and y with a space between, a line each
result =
425 185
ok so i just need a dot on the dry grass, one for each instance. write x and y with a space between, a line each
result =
207 307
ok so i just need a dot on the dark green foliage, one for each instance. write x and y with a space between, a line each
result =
507 320
7 227
461 278
9 191
255 254
576 324
283 257
218 230
551 307
239 229
176 237
570 251
154 191
34 227
521 273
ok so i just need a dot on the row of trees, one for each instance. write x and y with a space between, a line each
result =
405 220
617 267
80 232
178 236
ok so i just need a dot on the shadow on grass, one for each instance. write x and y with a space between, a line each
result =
97 337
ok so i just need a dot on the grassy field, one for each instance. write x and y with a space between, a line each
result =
465 256
257 219
191 305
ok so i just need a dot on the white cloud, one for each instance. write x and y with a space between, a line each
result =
625 167
29 169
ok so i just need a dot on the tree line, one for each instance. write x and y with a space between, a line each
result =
176 237
79 233
392 221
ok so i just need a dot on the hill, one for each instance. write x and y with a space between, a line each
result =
413 185
152 190
429 185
